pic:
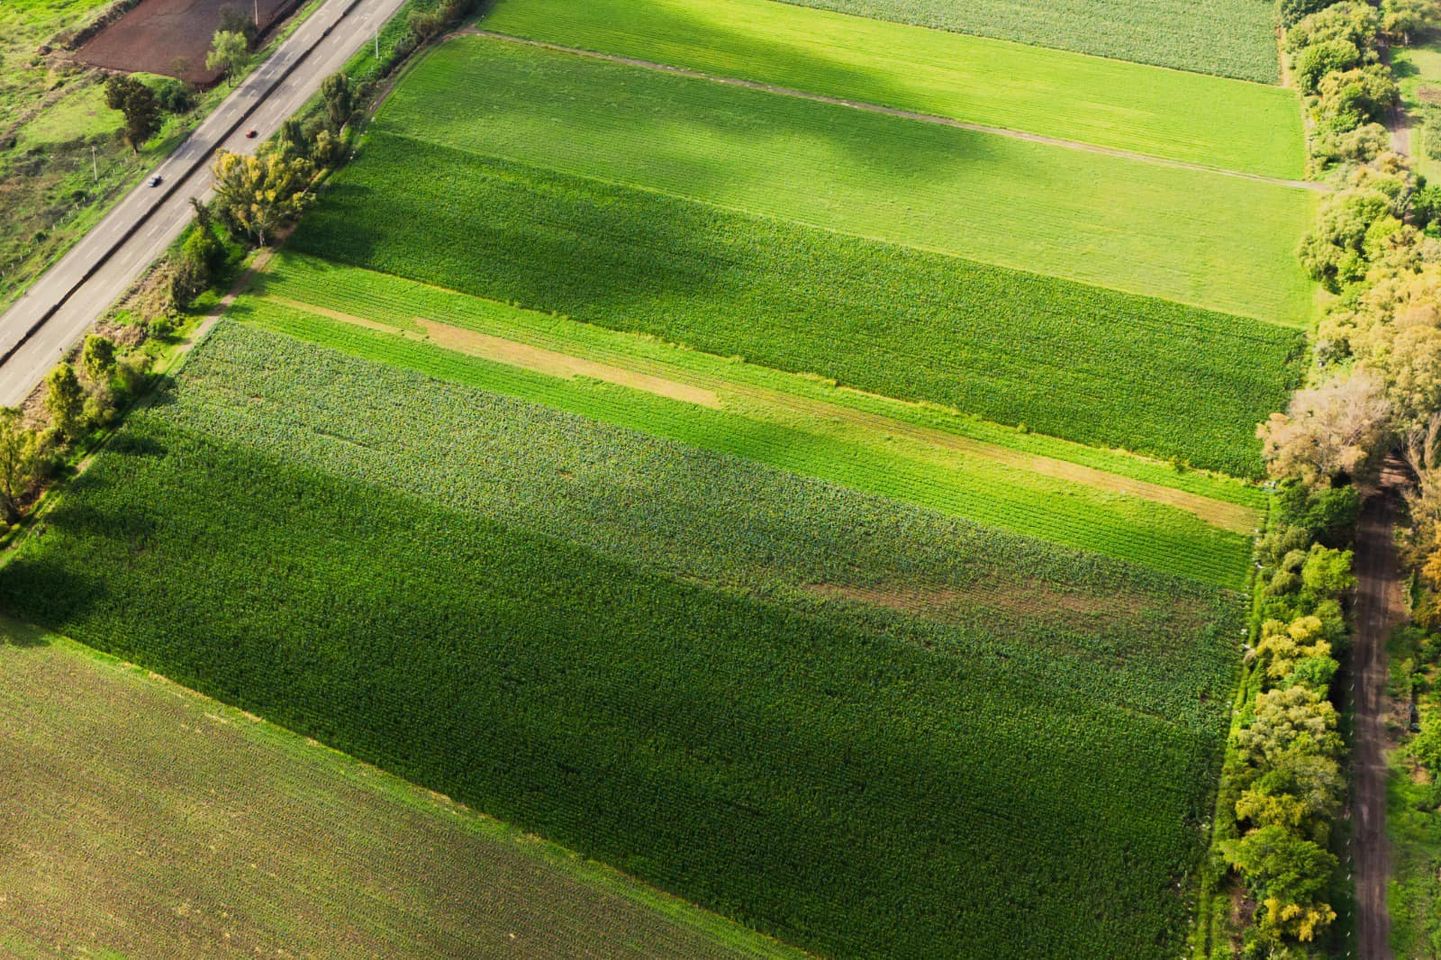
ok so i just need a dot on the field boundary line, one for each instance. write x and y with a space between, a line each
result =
876 108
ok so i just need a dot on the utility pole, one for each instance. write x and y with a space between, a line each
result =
257 16
94 166
377 38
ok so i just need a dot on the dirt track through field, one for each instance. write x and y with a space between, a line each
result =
891 111
715 392
1379 609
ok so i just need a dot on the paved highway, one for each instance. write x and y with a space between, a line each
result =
59 307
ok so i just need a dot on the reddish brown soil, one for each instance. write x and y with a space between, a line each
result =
172 37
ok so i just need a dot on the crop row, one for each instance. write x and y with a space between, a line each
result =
1232 38
399 302
855 780
1072 361
1183 234
1163 113
1000 494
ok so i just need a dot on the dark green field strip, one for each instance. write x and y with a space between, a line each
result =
1233 38
1072 361
1164 539
1189 235
857 781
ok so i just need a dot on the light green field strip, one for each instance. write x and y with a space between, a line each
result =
784 420
144 820
1189 117
1186 235
1233 38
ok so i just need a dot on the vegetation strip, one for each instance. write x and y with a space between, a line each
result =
709 391
1226 37
821 767
1076 362
1064 97
1187 235
903 114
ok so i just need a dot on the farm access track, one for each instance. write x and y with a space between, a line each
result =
869 107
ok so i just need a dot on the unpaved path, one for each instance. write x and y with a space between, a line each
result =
1379 610
893 111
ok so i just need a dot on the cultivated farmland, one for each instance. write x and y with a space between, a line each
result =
1187 235
1186 523
1228 124
1233 38
1072 361
257 842
953 719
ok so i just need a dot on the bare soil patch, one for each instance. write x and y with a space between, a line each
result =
171 37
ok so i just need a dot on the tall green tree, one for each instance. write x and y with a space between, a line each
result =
339 95
138 104
64 399
228 52
21 460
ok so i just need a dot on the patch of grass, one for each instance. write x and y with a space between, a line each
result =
963 743
301 847
1191 236
1233 38
1164 113
791 422
1413 827
1077 362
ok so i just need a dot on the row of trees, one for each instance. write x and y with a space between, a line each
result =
1376 382
77 398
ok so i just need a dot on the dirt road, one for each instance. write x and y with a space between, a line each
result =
1378 610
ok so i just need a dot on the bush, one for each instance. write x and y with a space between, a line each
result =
1292 11
1317 60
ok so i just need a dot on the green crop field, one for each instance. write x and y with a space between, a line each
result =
1165 113
1233 38
1137 514
860 726
142 820
1072 361
1188 235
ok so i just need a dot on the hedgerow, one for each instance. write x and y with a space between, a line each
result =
357 552
1072 361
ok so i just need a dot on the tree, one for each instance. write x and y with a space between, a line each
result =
339 95
228 52
1329 433
64 399
21 462
97 359
139 106
1401 18
260 194
1282 719
1348 98
1319 59
1290 875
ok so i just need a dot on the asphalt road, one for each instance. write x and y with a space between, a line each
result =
59 307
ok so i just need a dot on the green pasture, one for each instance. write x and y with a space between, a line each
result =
860 726
1190 117
1192 236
